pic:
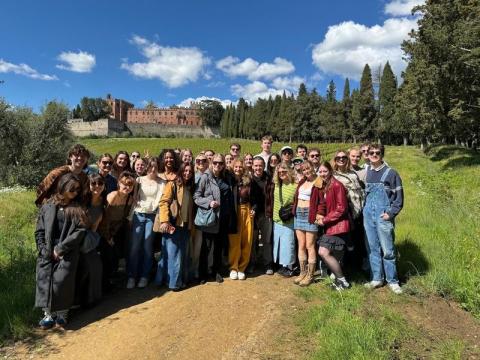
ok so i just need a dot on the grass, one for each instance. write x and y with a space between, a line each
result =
438 240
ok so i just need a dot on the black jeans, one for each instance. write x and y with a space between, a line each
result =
218 241
264 228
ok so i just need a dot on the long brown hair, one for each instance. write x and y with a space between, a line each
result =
72 208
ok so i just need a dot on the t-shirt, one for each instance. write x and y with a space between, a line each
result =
288 194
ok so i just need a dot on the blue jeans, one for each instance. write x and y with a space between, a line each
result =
140 250
380 235
170 265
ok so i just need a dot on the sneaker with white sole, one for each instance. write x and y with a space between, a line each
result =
374 284
233 275
130 283
340 285
143 282
395 288
241 276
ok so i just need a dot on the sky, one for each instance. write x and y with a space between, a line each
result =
174 52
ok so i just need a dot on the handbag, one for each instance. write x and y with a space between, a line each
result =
205 218
285 211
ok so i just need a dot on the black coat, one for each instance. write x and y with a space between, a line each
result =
55 285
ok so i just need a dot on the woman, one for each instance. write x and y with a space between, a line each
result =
354 155
140 167
147 196
272 163
176 225
114 225
89 272
59 233
214 191
121 163
78 157
305 229
240 242
186 156
248 162
283 233
168 164
104 164
228 162
336 223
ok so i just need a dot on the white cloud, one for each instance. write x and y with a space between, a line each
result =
25 70
80 62
257 89
175 66
254 70
348 46
401 7
288 83
187 102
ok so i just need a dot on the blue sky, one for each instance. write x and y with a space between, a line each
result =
173 52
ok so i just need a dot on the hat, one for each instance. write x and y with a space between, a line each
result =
285 148
297 160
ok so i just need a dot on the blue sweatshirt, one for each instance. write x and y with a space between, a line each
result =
393 187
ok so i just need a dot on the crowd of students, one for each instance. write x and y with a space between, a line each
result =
181 221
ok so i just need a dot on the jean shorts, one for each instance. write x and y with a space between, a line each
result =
300 221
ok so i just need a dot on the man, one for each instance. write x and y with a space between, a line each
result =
384 200
364 150
286 153
262 192
315 157
235 150
302 151
267 141
134 156
355 156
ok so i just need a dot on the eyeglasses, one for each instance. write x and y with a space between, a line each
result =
340 158
217 163
107 163
200 161
235 149
378 152
314 155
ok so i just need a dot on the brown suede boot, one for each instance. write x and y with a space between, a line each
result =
303 272
308 279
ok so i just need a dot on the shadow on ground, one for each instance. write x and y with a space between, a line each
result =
411 260
458 156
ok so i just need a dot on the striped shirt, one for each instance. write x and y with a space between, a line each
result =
288 193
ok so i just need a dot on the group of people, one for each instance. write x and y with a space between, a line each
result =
181 220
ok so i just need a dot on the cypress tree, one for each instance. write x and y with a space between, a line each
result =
386 96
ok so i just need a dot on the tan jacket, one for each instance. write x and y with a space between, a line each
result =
166 201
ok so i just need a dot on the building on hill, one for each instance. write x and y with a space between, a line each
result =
126 112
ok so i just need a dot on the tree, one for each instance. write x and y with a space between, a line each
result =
346 110
92 109
367 104
386 103
211 112
151 105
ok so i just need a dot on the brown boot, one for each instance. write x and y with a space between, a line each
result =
303 272
308 279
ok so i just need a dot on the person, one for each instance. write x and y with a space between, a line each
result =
214 191
286 153
114 226
78 157
336 224
104 164
146 197
267 141
134 156
297 166
176 225
305 228
283 234
121 163
235 149
262 192
355 195
209 154
240 242
354 155
364 149
315 157
272 163
228 162
383 202
301 151
186 156
168 164
61 227
89 272
248 162
140 167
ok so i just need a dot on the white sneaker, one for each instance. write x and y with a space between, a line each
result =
142 283
130 283
241 276
234 275
395 288
374 284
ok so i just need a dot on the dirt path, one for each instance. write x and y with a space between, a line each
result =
233 320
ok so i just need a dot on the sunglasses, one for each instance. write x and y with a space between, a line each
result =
235 149
107 163
217 163
374 152
314 155
135 155
199 161
365 151
339 158
97 183
282 172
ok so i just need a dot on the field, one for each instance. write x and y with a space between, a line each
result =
438 241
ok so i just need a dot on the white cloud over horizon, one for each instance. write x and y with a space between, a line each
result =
25 70
254 90
348 46
174 66
253 70
80 62
224 102
401 7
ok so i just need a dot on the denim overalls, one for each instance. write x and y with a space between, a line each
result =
380 233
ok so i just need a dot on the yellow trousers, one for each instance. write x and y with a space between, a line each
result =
241 242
